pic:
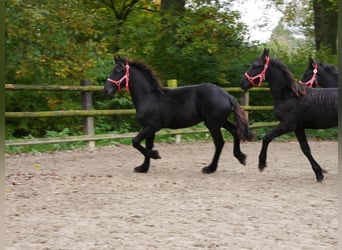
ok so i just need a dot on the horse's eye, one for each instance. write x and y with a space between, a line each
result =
255 66
118 69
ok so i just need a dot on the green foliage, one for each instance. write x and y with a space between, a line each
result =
205 44
57 44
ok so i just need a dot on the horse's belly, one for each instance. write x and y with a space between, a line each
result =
178 122
322 124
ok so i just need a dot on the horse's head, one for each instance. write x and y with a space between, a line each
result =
118 78
310 75
255 75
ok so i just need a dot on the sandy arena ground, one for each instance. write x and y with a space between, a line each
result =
93 200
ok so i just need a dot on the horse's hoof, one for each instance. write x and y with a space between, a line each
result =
141 169
208 170
320 178
262 166
154 154
242 159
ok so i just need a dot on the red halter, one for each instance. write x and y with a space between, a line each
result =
261 76
313 78
118 83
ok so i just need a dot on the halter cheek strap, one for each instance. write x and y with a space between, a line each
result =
118 83
313 78
261 76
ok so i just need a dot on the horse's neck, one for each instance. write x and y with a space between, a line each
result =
279 92
329 79
280 85
139 87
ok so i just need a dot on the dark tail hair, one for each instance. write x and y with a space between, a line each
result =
242 127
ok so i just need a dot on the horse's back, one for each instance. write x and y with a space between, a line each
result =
211 96
327 96
187 105
200 94
213 103
197 88
318 108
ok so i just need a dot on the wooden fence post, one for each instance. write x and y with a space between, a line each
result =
87 104
245 101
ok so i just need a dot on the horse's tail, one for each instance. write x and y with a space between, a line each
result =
242 127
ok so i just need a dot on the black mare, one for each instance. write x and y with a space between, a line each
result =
159 107
297 107
320 74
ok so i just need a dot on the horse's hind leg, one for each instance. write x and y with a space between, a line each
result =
147 134
219 142
236 150
300 133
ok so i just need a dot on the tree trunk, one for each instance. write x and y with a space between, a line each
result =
326 23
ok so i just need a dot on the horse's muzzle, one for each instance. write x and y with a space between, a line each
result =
244 84
108 92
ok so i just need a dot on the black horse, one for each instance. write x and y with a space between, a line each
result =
159 107
320 74
296 106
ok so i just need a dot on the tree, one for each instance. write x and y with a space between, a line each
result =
50 42
120 11
326 24
318 19
57 43
175 7
204 43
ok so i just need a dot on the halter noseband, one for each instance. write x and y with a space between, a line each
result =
118 83
313 78
261 76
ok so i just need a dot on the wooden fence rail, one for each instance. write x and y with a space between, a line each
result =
97 112
88 113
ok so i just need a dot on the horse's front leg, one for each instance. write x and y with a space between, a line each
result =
277 131
219 142
300 133
149 135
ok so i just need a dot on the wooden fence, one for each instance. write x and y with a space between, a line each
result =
86 90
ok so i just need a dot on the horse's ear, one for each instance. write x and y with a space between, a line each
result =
312 62
266 53
119 60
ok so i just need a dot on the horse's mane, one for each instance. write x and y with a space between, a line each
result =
153 79
297 89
